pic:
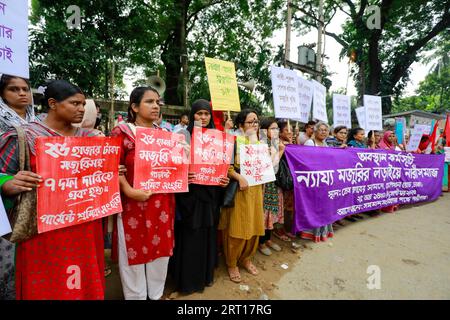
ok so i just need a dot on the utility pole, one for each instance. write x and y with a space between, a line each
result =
287 49
111 111
184 57
319 43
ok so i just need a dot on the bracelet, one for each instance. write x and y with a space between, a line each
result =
3 179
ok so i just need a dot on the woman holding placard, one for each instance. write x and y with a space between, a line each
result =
195 254
145 227
243 223
273 195
282 231
66 263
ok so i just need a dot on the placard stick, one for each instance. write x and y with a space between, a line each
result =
289 126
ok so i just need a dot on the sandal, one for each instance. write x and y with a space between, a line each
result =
292 236
273 246
250 267
234 274
108 271
282 236
264 250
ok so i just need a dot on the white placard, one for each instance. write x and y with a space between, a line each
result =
14 38
5 227
256 164
414 139
341 111
320 102
447 154
305 92
285 93
374 113
361 116
426 129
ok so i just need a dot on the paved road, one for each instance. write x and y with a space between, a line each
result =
411 249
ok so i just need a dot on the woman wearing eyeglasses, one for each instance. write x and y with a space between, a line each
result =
339 137
242 224
321 130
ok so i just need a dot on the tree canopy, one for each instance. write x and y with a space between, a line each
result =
433 93
172 37
153 35
383 55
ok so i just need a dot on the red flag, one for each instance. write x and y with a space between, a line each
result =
433 136
446 133
217 118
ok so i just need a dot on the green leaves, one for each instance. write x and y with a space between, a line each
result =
79 55
384 56
146 35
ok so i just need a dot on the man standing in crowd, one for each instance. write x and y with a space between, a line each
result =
307 133
184 122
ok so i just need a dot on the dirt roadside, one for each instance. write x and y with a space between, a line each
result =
411 248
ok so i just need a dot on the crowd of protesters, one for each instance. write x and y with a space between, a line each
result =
192 227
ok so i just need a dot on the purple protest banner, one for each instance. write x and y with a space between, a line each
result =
331 183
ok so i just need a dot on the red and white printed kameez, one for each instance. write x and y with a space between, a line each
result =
148 227
63 264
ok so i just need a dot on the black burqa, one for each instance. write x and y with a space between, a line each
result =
195 254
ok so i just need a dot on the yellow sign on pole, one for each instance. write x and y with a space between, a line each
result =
222 85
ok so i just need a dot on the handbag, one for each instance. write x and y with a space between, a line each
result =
230 193
23 216
231 189
283 176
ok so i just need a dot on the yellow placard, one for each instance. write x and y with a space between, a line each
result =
222 85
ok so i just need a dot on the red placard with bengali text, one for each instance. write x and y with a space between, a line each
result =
211 155
161 162
80 180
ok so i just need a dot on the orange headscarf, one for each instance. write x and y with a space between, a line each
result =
385 144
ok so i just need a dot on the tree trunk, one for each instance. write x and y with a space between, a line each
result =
106 87
375 69
386 104
171 57
172 64
362 82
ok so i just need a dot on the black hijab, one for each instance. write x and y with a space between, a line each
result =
200 104
207 214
